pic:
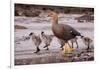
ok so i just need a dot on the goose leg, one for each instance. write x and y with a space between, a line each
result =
76 43
37 50
67 48
72 44
69 45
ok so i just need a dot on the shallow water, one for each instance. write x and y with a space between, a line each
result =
25 48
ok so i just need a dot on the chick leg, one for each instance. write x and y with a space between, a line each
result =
76 43
72 44
61 46
88 46
46 46
37 49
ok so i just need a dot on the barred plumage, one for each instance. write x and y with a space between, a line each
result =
36 40
46 39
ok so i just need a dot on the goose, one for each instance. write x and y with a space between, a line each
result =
62 31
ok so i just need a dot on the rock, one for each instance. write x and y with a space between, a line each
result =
19 27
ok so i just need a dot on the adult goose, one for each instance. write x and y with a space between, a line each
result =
62 31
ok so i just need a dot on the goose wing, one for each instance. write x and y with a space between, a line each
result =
69 30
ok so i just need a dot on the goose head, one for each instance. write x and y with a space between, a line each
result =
54 17
52 14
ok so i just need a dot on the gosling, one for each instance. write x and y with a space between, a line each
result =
87 41
36 40
46 39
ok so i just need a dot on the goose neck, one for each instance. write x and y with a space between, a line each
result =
55 20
